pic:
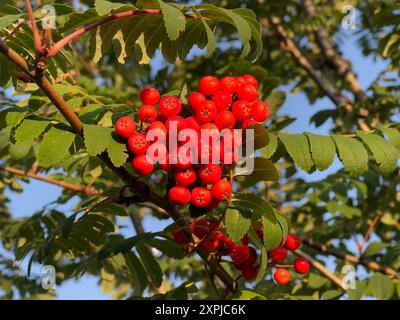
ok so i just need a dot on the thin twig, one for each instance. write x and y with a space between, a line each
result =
369 231
36 34
15 30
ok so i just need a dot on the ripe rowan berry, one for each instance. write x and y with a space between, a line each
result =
247 92
229 84
248 123
179 195
147 113
225 120
282 276
210 244
222 100
169 106
240 254
142 165
249 273
184 157
292 242
207 111
125 127
301 265
233 136
210 173
213 204
249 79
200 228
185 177
193 123
200 197
245 239
221 190
175 122
179 236
241 110
195 99
149 96
208 85
157 125
138 144
278 254
259 111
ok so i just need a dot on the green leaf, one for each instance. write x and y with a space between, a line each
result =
137 270
298 148
322 150
20 150
117 152
247 295
374 248
263 265
272 233
381 286
255 133
104 7
315 281
150 263
269 150
168 247
275 100
384 152
236 224
393 136
175 21
249 201
111 208
30 129
284 222
264 170
358 292
331 294
210 36
55 147
352 154
7 20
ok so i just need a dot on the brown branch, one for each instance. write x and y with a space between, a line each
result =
140 189
121 15
321 268
339 64
15 30
62 184
369 231
371 265
36 34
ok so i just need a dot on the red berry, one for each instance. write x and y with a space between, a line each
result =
208 152
301 265
147 113
195 99
222 100
221 190
125 127
207 111
240 81
234 136
249 79
228 243
240 254
185 177
157 125
182 157
200 197
179 195
245 239
170 106
210 173
247 92
259 111
292 242
229 157
200 228
229 84
193 123
252 257
278 254
175 122
249 273
208 85
282 276
179 236
225 120
241 110
149 96
138 144
142 166
248 122
213 204
211 244
166 167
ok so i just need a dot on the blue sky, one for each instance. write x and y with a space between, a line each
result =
38 194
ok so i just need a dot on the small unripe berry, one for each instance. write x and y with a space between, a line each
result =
282 276
179 195
125 127
301 265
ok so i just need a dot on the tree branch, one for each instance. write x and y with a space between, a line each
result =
372 265
369 231
321 268
36 35
62 184
138 187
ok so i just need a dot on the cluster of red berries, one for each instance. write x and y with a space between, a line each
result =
244 257
279 254
217 108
